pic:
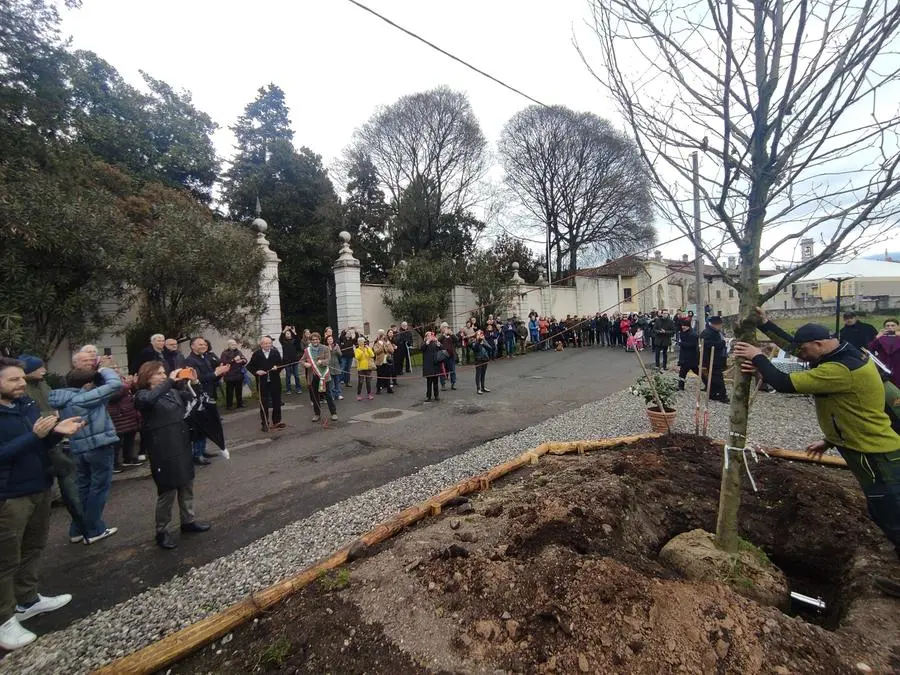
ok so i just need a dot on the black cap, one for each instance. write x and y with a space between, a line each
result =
715 319
810 332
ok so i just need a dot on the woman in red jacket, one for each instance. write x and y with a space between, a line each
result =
127 421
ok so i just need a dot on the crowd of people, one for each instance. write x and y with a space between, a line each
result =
75 437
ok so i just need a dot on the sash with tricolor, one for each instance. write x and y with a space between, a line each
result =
323 373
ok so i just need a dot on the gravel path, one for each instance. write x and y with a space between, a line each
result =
776 420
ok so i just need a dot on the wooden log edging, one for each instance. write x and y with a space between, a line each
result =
178 645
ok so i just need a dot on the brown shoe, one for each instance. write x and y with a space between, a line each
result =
279 425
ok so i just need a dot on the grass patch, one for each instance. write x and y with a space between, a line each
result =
757 552
335 581
276 653
792 324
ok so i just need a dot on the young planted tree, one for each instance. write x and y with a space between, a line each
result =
791 107
490 281
419 290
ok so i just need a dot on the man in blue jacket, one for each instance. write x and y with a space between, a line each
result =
209 372
25 479
92 447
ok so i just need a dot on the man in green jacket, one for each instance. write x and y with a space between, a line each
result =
850 400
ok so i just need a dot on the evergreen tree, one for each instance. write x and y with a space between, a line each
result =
298 202
419 227
366 218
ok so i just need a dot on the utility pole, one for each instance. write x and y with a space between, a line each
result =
837 305
698 255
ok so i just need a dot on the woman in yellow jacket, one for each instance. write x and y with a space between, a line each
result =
365 363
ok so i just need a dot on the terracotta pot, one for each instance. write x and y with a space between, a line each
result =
661 422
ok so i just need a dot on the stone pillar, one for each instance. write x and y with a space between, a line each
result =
347 287
517 283
546 304
270 322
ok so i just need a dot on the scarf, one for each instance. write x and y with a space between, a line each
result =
323 373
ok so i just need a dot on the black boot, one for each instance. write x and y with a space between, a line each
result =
195 527
887 586
164 540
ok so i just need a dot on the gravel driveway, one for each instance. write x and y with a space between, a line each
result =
776 420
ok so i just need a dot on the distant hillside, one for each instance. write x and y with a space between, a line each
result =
895 256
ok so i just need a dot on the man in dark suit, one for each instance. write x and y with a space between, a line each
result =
155 351
404 341
264 363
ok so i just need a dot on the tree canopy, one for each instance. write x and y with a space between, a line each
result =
102 198
581 179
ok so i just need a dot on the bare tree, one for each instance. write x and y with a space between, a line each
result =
791 105
432 137
581 178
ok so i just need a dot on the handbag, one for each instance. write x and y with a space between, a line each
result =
441 356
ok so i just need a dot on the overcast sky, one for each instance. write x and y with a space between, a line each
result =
337 63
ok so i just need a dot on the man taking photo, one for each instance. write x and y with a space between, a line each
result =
849 399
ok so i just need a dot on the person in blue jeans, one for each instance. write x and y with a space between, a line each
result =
334 368
86 396
509 337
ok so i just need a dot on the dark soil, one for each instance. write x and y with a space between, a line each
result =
556 570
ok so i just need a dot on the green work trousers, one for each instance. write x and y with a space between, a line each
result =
879 475
24 525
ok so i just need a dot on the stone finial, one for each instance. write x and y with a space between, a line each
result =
541 281
345 250
516 279
260 226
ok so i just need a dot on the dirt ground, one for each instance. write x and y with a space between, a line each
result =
555 570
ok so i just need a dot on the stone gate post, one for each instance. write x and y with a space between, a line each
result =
347 287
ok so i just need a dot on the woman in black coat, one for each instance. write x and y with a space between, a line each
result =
430 366
167 440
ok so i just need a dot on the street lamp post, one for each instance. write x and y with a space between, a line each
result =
837 304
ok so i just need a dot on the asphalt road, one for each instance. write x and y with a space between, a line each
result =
275 479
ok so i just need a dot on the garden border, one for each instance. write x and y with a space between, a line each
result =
178 645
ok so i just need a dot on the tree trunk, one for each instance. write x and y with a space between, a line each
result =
727 537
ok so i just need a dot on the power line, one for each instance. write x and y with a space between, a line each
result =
446 53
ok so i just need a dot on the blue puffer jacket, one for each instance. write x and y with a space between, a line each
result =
90 405
24 462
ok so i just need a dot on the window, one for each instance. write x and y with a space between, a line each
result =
731 293
718 295
626 294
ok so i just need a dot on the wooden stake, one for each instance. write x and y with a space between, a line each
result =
708 392
700 380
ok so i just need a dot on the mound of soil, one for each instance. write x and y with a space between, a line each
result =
556 570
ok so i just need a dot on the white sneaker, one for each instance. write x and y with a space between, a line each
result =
76 540
44 604
13 635
110 531
142 458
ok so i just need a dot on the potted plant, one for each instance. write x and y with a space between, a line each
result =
658 392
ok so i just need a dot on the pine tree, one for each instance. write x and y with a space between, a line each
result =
366 217
298 203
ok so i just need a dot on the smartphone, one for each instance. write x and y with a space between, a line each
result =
107 351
